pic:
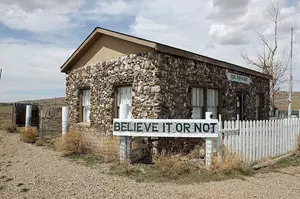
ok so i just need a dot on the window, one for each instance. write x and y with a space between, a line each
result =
204 100
86 105
197 103
124 96
212 101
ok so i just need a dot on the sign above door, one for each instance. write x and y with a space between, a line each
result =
238 78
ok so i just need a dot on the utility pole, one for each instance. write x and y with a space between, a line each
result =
291 78
0 73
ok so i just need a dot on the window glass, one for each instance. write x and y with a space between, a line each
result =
86 101
212 97
198 99
212 102
197 103
124 97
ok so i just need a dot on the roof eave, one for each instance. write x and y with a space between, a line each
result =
186 54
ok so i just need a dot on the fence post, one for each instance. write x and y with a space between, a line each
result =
208 144
220 140
64 120
28 116
125 143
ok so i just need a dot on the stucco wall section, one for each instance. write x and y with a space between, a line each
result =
107 48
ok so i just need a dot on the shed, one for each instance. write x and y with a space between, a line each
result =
158 81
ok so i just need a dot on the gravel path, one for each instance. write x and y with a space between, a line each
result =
27 171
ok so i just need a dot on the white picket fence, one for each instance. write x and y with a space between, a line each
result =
257 140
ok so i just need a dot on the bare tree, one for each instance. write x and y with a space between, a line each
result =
269 60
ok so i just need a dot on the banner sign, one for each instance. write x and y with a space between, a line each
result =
166 127
238 78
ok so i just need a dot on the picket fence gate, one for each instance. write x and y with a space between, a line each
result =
258 140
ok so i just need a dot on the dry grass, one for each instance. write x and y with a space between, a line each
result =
298 144
109 149
197 152
75 143
28 135
5 114
230 164
173 166
281 100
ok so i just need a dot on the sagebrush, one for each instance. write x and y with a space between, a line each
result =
75 142
11 128
28 135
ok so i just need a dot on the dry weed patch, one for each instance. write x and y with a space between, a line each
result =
75 143
28 135
173 166
109 149
230 164
10 128
298 144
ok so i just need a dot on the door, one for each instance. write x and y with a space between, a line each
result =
240 105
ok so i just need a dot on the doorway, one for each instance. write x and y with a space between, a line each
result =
240 105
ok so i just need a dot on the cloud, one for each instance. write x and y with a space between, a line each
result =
241 20
224 35
29 67
167 22
38 16
225 10
59 6
111 10
213 28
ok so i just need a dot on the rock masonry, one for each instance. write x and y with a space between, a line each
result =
160 88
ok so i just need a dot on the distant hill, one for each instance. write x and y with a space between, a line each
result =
59 101
281 100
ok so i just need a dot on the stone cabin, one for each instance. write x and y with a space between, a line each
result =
158 81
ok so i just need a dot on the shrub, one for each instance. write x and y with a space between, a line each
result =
230 164
109 149
76 143
173 166
11 128
28 135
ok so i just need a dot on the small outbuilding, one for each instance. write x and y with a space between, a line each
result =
158 81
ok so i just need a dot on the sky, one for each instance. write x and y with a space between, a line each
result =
37 36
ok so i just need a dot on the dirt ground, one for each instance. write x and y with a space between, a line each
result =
28 171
